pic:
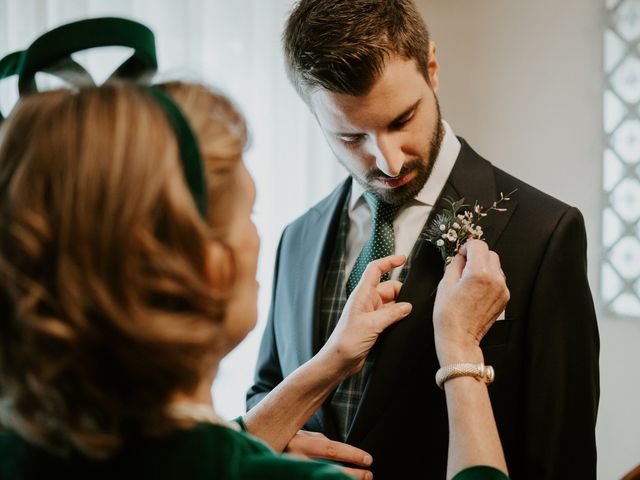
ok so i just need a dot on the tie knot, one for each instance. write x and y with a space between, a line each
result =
381 210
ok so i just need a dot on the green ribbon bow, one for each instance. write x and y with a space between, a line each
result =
51 53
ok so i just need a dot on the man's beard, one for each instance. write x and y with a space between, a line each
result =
400 195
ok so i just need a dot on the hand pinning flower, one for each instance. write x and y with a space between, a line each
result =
457 224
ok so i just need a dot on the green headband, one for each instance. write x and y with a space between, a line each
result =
188 144
51 53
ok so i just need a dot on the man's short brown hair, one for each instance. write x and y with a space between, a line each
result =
342 46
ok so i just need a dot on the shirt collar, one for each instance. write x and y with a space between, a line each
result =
449 150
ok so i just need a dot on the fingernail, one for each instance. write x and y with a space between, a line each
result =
367 460
368 476
405 307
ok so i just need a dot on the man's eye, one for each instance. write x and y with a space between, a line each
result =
351 139
401 123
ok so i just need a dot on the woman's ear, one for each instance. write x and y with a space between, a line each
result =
220 266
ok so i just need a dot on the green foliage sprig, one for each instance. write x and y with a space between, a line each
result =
459 223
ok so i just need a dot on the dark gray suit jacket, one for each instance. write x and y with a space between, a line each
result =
545 353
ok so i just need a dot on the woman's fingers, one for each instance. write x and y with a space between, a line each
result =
377 268
477 252
391 313
471 296
389 290
454 270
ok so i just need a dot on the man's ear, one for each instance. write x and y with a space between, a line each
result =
219 265
433 67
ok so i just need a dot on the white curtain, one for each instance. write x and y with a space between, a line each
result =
233 45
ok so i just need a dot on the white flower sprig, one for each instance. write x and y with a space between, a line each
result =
457 224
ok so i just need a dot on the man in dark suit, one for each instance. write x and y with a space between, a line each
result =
369 73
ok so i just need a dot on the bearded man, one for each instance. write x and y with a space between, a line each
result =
369 73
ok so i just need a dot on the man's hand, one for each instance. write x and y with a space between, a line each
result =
315 445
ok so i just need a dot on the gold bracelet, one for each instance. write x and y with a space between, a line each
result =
479 371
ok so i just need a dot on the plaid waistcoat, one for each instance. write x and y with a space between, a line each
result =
346 398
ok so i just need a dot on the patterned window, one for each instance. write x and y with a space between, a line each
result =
620 279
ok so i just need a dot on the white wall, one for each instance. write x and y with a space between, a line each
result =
522 81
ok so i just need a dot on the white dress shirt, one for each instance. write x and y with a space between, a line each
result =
412 216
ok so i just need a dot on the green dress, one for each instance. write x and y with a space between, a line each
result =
207 451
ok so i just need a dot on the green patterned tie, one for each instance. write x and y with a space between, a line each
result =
380 242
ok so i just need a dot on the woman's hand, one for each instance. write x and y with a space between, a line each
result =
369 310
470 297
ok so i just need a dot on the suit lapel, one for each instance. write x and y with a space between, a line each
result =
306 290
473 179
313 261
410 342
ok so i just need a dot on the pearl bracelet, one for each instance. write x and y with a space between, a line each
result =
479 371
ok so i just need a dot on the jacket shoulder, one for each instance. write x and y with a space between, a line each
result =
474 172
526 192
537 213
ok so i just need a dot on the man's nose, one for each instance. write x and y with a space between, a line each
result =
389 155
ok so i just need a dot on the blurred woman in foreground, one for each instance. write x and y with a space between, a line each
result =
119 300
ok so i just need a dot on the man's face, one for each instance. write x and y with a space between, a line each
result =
388 138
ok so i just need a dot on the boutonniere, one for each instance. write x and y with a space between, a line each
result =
458 223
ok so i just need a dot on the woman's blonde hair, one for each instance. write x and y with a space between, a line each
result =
107 308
